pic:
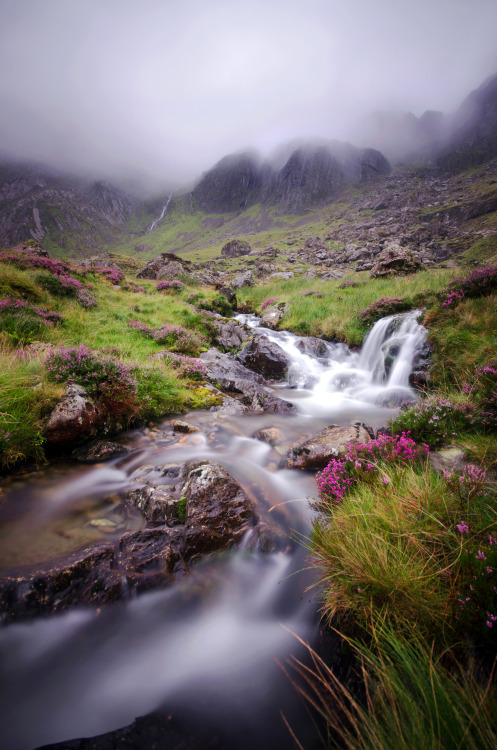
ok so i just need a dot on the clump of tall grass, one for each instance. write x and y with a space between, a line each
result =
410 699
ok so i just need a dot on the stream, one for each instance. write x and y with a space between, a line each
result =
207 647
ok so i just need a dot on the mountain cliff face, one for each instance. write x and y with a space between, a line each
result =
474 129
312 176
232 185
36 202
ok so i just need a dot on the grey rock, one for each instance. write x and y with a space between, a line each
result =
235 249
218 511
100 450
316 451
395 261
274 314
312 346
265 357
243 279
158 504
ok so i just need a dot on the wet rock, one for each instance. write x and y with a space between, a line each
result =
100 450
270 435
152 732
179 426
395 261
86 577
265 357
312 346
243 279
236 248
226 372
230 335
230 407
158 504
165 266
150 557
316 452
394 398
218 511
273 315
76 417
449 458
260 401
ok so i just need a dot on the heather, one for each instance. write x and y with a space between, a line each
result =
172 286
382 308
175 338
187 367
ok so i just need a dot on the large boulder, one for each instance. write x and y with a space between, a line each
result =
316 451
258 400
395 260
236 248
165 266
230 335
274 314
265 357
158 504
75 418
218 511
312 346
243 279
226 372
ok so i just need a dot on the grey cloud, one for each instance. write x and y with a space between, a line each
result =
164 89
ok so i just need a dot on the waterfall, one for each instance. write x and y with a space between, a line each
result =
162 214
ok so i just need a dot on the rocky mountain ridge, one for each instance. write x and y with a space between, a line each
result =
75 216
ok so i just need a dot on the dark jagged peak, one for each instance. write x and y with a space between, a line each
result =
474 129
116 204
233 184
309 178
317 171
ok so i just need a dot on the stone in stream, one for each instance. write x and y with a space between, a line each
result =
270 435
273 315
312 346
230 335
77 419
158 504
226 372
179 426
316 451
218 511
100 450
265 357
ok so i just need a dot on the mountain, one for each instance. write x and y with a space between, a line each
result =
312 176
473 138
37 202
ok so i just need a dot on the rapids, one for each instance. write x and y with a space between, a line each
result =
205 647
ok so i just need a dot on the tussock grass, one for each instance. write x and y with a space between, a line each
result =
384 547
410 699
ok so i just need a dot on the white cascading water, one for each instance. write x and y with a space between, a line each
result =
207 645
159 218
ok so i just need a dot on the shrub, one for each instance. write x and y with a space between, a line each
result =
179 339
187 367
173 286
362 462
31 260
23 323
267 302
104 377
480 283
383 307
348 283
484 394
60 285
157 394
86 299
433 421
218 304
114 275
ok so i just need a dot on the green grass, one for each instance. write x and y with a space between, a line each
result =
333 312
27 396
409 699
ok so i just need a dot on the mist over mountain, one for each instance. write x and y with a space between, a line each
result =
153 95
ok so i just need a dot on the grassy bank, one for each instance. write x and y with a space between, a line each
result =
38 315
407 553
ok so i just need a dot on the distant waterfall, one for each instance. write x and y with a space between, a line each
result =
163 213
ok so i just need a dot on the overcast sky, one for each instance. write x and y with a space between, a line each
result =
168 87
